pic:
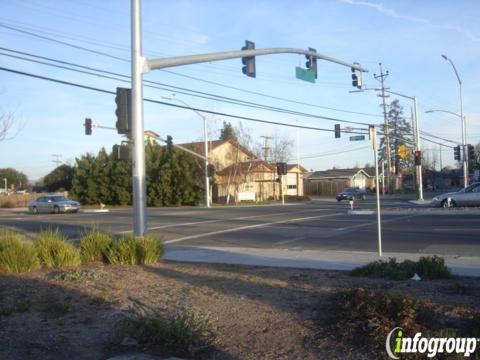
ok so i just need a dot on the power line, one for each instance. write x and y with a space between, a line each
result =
170 104
209 96
13 28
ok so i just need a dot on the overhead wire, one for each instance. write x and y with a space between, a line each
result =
184 75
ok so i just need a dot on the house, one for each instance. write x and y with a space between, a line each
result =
240 175
330 182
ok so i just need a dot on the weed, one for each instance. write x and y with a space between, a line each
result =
93 245
427 267
182 333
15 255
80 275
54 250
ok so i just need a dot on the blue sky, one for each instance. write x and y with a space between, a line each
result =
408 37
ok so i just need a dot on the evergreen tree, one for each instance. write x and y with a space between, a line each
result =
83 185
59 179
400 133
227 132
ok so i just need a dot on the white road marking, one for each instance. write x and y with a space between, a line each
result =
374 223
248 227
289 241
219 220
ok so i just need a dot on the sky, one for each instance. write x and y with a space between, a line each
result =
407 37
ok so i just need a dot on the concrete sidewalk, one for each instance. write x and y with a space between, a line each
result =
310 259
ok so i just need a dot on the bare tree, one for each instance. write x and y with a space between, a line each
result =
7 123
281 148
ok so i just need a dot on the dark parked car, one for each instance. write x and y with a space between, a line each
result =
53 204
470 196
351 193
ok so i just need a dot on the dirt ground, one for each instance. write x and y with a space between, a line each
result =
255 312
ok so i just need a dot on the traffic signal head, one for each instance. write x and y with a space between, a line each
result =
418 157
249 61
337 131
88 126
357 77
123 111
456 153
281 168
471 152
211 170
311 63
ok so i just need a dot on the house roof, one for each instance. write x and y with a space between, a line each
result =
337 174
247 167
199 146
292 166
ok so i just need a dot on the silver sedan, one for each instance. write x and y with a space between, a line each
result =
470 196
53 204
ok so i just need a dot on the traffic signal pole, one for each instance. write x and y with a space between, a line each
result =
138 154
141 65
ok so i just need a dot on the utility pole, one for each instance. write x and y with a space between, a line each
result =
265 147
382 78
57 160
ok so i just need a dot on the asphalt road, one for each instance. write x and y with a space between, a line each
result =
316 225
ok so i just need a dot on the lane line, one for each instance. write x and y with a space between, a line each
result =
249 227
220 220
374 223
289 241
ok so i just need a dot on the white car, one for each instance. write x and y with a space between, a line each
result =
470 196
53 204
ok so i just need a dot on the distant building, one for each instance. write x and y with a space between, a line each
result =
240 175
330 182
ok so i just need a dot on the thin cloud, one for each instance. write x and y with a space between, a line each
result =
392 13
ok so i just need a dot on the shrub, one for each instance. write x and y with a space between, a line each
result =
183 333
54 250
132 250
433 267
427 267
15 255
94 244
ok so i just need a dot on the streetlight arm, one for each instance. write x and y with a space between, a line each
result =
445 111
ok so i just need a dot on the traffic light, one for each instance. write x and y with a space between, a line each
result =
337 131
281 168
418 157
88 126
471 152
357 77
124 111
311 63
249 61
121 152
456 153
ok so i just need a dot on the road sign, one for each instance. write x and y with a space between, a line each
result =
403 151
357 137
305 74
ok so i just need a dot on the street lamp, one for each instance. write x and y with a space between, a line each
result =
205 138
462 118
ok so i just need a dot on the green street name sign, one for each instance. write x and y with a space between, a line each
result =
357 137
305 74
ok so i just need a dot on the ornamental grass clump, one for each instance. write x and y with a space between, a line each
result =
93 245
16 256
54 250
134 250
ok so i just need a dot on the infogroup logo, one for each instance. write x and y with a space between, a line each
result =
397 343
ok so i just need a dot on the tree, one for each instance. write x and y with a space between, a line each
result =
6 126
59 179
227 132
15 179
400 133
